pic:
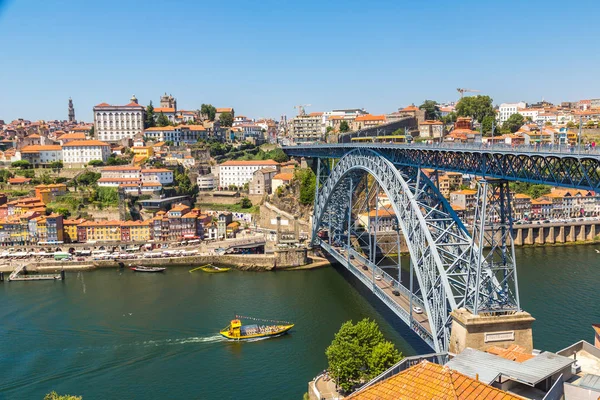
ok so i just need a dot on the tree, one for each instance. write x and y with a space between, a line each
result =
450 118
23 164
209 111
92 131
308 182
96 163
344 127
570 124
149 122
514 122
590 124
56 166
88 178
226 119
477 107
328 130
432 111
162 120
548 123
358 353
245 202
487 124
64 211
5 175
55 396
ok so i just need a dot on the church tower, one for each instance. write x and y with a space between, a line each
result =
71 111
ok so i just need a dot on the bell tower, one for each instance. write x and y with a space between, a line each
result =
71 111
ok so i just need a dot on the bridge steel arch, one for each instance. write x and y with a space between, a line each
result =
438 243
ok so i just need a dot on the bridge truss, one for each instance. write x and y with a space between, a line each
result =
447 269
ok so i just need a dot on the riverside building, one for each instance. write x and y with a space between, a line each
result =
113 123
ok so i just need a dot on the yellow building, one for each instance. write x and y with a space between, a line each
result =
143 151
102 231
70 229
135 231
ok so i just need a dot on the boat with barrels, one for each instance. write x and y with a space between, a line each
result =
237 331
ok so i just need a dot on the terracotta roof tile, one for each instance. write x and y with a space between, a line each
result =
82 143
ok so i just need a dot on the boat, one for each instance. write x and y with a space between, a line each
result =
141 268
236 331
212 268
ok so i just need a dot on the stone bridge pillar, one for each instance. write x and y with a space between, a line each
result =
481 332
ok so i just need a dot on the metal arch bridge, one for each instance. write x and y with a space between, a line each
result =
541 165
450 266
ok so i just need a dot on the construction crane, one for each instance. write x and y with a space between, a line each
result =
301 109
462 91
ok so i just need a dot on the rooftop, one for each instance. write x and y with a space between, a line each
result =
233 163
427 381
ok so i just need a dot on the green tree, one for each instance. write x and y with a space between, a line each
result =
487 124
106 196
209 111
64 211
26 173
450 118
328 130
245 202
96 163
432 111
358 353
590 124
92 131
23 164
169 143
55 396
277 155
56 166
226 119
88 178
162 120
307 179
477 107
513 123
570 124
5 175
548 123
344 127
149 122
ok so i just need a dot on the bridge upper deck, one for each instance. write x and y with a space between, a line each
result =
559 166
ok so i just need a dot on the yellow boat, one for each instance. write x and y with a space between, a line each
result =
211 269
237 331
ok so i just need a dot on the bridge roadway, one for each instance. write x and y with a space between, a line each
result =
547 165
384 288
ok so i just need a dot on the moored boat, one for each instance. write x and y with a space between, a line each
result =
237 331
141 268
213 268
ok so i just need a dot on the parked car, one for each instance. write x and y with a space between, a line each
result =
396 292
417 310
365 267
352 256
377 277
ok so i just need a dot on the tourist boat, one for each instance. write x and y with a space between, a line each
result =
141 268
237 331
212 268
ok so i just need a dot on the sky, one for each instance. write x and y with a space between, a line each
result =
263 57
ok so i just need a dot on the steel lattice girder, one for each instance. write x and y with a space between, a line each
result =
439 246
558 169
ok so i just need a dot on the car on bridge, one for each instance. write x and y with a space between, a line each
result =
417 310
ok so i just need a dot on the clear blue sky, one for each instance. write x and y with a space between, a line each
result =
263 57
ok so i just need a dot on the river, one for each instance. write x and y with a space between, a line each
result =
110 333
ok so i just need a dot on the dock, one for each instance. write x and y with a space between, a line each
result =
17 276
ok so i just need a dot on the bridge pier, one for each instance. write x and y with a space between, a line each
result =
561 235
529 238
481 332
551 238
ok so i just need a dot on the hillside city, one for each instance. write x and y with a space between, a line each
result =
209 170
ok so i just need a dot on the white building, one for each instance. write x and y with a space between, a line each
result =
239 173
206 182
530 113
41 154
508 109
116 182
121 171
84 151
113 123
179 135
162 175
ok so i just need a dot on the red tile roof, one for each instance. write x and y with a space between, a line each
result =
430 381
18 180
36 148
82 143
232 163
370 117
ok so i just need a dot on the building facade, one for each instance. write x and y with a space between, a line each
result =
113 123
80 152
238 173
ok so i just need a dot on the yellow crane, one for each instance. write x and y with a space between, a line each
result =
463 90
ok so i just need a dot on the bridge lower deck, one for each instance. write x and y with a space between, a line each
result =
384 288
